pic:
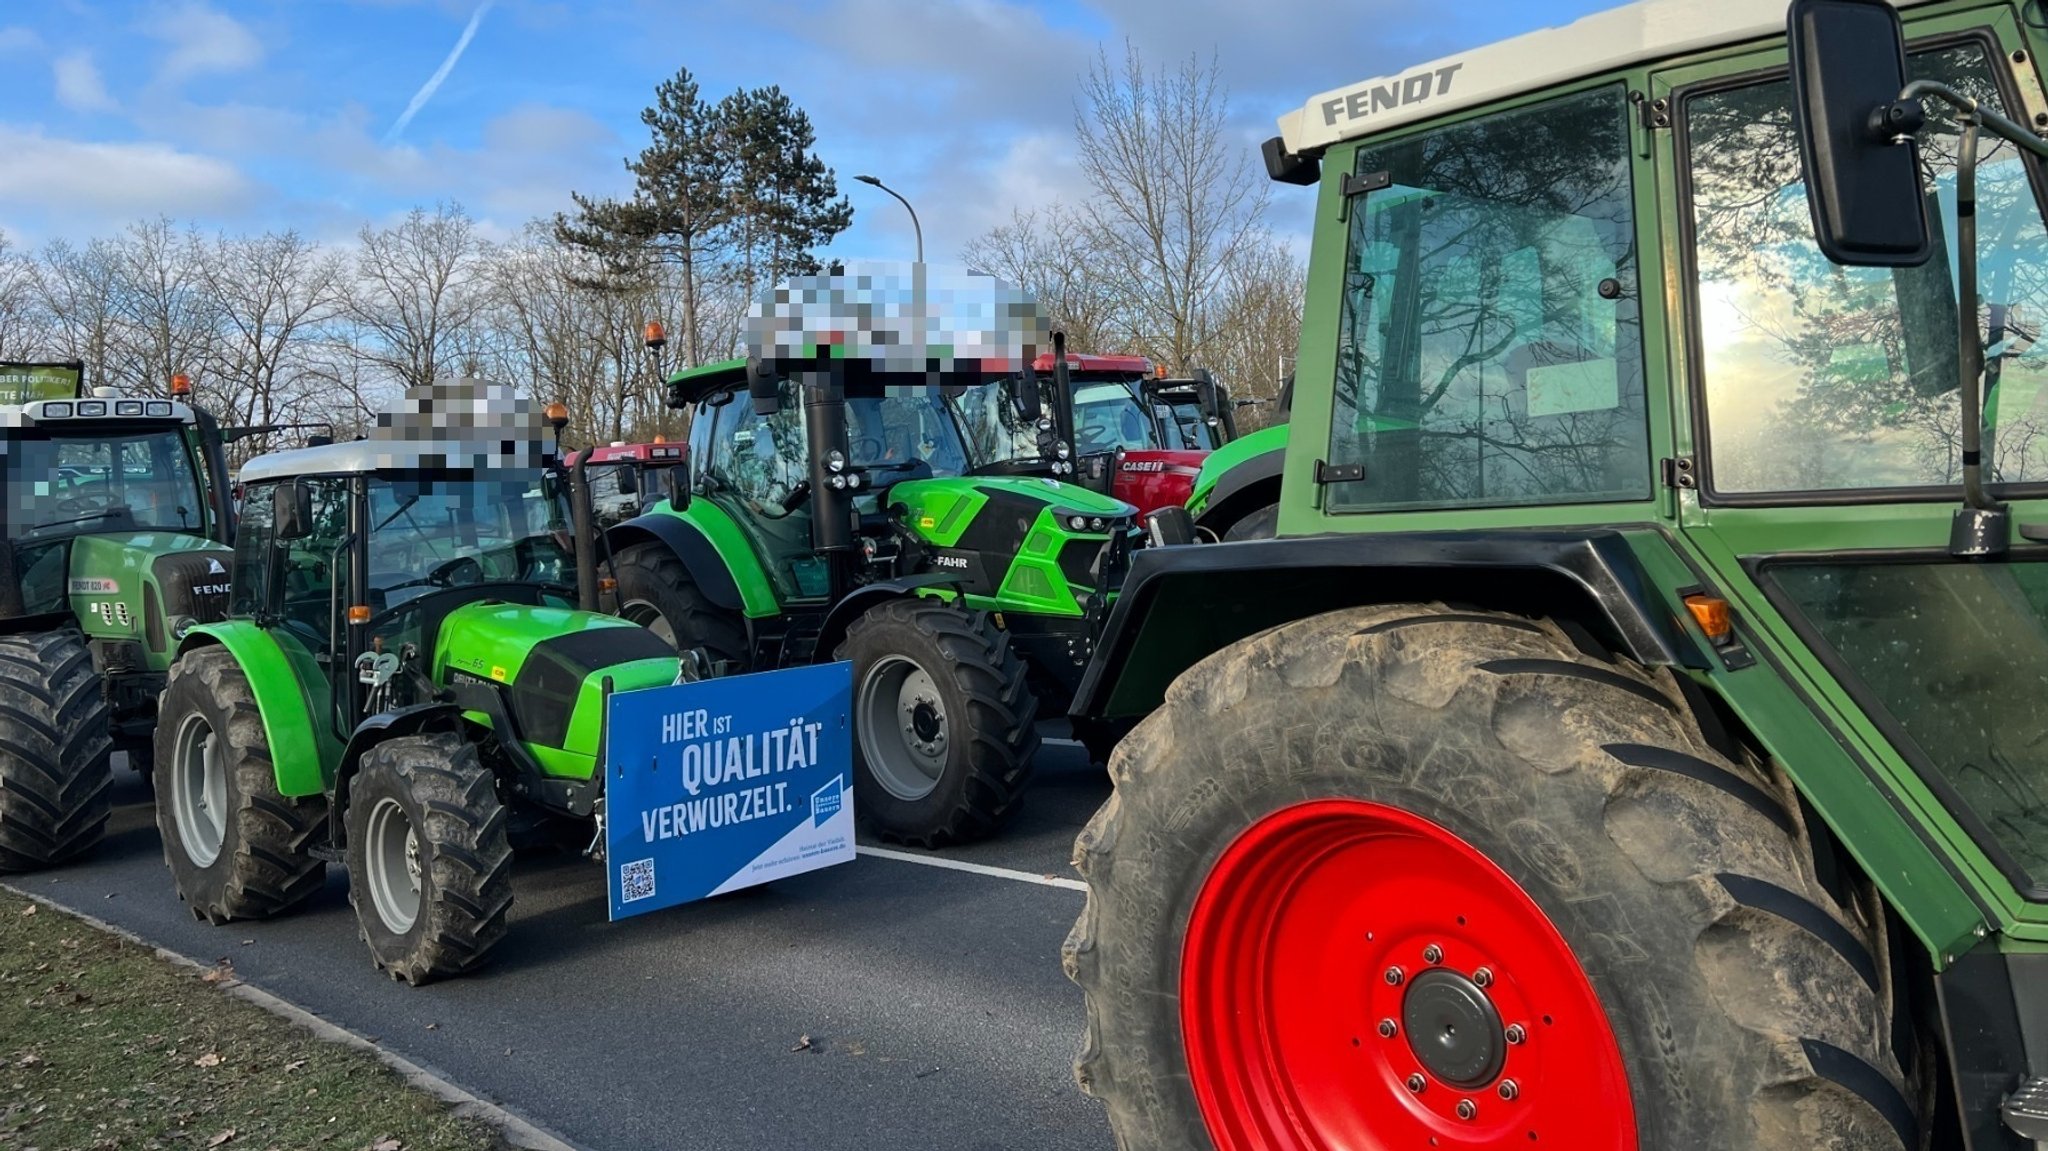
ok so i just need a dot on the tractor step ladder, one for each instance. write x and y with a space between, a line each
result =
2026 1110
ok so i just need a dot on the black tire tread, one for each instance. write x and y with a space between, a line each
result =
1806 1042
465 833
1002 712
653 573
273 869
55 751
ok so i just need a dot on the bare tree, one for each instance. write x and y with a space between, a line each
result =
168 318
268 292
1258 327
1176 199
1046 252
21 330
419 286
79 291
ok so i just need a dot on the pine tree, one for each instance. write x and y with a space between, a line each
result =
784 201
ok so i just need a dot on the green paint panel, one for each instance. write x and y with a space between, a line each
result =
112 579
577 759
940 510
303 751
1230 455
757 592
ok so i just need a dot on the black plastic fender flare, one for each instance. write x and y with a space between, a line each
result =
863 599
690 544
1241 490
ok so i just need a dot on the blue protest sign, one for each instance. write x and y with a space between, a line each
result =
725 783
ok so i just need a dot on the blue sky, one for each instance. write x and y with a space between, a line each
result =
281 113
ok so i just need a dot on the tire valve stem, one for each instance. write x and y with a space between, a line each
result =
1508 1090
1515 1034
1467 1109
1416 1083
1432 954
1394 976
1483 977
1387 1029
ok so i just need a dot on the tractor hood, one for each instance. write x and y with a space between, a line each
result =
1152 478
921 497
147 587
549 665
1034 546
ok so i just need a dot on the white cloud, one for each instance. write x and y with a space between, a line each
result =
79 86
17 39
100 183
202 40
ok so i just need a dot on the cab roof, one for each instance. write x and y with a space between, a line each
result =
1618 38
462 425
1105 365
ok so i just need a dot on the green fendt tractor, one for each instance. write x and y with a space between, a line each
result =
826 512
404 680
1635 736
116 519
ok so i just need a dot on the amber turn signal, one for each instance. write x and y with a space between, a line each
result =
359 613
1711 613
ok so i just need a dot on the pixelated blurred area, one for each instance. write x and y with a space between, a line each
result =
465 425
900 320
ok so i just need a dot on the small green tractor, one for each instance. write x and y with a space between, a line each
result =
1634 736
405 682
116 523
829 509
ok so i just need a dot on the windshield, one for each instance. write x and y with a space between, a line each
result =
909 430
994 433
1824 378
123 481
1108 416
1948 654
434 533
1490 349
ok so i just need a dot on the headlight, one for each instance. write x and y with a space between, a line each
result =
838 483
93 408
853 481
57 411
128 408
159 407
1096 524
835 460
1063 451
180 625
1078 523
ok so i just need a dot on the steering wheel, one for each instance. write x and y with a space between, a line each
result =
444 574
867 447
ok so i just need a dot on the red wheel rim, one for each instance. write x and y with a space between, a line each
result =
1331 930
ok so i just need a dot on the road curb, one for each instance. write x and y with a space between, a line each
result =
518 1131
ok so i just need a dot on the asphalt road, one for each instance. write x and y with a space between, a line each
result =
937 1013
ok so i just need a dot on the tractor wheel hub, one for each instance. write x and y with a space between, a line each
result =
1453 1028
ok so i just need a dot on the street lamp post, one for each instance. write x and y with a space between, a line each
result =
915 226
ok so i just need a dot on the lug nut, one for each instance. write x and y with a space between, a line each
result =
1394 976
1483 977
1432 954
1515 1034
1467 1109
1387 1029
1508 1090
1416 1083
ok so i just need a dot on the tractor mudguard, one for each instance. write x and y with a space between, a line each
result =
864 599
375 730
713 566
1242 488
1179 604
298 745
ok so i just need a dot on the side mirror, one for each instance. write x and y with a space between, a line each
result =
1169 526
291 511
1855 135
677 477
1025 400
629 480
763 388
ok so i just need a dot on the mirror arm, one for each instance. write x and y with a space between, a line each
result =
1998 125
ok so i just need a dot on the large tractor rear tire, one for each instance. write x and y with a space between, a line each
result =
1412 877
429 860
1259 524
55 753
657 592
237 847
944 724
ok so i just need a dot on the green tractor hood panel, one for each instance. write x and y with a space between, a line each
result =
550 664
147 587
1014 541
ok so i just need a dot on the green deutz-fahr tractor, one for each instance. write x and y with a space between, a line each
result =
828 512
116 522
1635 736
405 681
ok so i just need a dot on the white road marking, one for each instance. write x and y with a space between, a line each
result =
973 868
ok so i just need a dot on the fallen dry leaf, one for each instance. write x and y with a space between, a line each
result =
294 1065
803 1043
29 1060
387 1145
221 1138
210 1059
29 910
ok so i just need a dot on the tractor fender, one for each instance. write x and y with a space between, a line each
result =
1243 488
691 544
299 747
376 729
864 599
1180 604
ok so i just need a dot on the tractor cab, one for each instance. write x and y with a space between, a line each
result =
625 479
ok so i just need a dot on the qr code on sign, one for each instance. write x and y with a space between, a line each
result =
636 880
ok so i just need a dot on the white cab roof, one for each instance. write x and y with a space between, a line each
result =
1617 38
